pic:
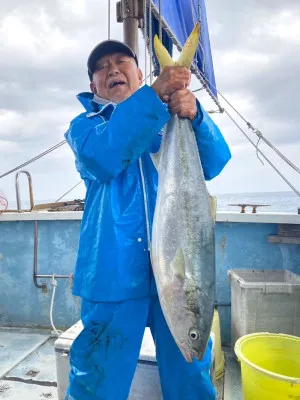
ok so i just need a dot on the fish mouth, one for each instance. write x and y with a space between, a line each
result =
187 355
198 357
116 83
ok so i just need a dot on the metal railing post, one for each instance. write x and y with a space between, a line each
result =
18 191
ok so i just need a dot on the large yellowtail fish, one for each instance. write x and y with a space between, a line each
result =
183 238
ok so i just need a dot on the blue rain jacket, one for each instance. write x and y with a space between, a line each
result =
112 146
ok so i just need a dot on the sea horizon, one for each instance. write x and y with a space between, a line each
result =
276 201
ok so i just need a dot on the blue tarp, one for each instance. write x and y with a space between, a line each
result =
181 17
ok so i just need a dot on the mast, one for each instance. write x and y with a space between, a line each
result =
131 13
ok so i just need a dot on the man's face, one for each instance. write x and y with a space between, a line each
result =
116 77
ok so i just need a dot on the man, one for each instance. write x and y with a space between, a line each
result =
111 142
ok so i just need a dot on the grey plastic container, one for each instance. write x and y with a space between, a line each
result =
264 301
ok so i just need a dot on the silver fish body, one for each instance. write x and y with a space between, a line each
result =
183 240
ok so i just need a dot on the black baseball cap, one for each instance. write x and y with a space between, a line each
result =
104 48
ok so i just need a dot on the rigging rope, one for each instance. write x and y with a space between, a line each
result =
33 159
61 197
256 131
145 35
108 26
250 126
292 165
160 25
200 22
150 40
262 154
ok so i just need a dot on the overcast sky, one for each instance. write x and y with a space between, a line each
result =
44 45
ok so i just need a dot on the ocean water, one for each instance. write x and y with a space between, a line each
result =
276 201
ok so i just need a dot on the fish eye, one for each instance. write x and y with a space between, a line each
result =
194 334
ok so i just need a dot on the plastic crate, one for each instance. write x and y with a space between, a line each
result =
264 301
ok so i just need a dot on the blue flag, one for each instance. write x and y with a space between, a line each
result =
181 16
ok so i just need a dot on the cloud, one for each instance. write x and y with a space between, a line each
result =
43 53
255 46
245 170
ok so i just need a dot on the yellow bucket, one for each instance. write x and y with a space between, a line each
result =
270 366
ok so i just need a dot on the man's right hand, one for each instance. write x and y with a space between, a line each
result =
171 79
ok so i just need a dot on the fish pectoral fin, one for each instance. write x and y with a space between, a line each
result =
189 49
213 207
155 157
162 54
178 264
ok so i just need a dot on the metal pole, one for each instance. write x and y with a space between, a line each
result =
130 32
131 13
108 22
42 286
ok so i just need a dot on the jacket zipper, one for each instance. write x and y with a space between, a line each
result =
145 203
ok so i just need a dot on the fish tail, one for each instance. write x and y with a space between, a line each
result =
189 49
162 54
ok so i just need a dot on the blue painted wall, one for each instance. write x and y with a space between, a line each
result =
238 245
21 303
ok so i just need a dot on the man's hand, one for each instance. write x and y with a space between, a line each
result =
183 103
171 79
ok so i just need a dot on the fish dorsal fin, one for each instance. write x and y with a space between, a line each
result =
187 54
178 264
213 207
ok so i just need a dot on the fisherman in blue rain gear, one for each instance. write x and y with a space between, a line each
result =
112 141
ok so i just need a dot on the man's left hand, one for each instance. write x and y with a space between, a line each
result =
183 103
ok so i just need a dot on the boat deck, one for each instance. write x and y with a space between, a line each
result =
28 369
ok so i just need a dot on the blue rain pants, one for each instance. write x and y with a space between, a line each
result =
105 354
